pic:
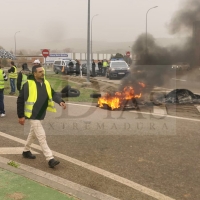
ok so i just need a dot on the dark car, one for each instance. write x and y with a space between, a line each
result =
84 69
117 69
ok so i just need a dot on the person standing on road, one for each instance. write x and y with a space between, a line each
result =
71 67
100 67
3 78
33 106
12 76
23 76
105 66
93 68
77 67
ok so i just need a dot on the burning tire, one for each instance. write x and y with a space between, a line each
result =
73 93
95 95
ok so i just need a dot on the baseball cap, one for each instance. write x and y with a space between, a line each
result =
36 61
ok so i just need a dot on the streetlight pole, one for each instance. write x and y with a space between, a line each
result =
15 41
91 36
88 44
146 25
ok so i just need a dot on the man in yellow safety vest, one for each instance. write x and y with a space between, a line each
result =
12 76
105 66
33 106
3 78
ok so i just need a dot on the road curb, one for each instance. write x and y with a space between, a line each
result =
55 182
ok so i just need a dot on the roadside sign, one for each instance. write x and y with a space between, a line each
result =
58 56
45 52
128 53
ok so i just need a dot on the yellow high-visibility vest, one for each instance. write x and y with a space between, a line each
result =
105 64
1 79
32 98
13 74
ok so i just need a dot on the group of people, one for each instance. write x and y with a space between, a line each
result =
102 67
13 76
36 96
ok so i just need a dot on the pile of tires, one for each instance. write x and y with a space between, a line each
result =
68 91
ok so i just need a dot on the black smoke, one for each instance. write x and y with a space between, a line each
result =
154 54
153 62
184 18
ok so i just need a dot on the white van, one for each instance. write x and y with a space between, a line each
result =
58 66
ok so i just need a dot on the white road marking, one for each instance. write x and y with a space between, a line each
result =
163 88
197 107
147 113
13 150
178 79
102 172
160 110
76 104
170 116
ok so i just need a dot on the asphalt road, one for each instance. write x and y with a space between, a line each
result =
157 152
150 153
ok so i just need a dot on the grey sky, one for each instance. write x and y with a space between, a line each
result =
58 20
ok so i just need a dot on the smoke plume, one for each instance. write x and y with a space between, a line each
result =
183 20
154 63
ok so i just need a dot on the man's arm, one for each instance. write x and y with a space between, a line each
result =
57 97
19 81
4 76
12 69
23 95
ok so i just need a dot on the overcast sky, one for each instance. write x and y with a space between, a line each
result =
58 20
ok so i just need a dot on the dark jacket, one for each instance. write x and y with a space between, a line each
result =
12 69
99 64
77 66
40 106
19 78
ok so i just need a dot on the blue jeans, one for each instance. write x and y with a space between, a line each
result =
12 84
2 111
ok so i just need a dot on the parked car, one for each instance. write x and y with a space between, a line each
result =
84 69
117 69
58 66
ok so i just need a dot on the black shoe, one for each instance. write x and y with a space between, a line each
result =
52 163
28 154
12 93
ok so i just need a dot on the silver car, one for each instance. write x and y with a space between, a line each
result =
117 69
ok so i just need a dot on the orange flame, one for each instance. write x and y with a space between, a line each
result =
115 101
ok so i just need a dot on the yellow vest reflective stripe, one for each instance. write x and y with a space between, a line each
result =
33 97
1 79
13 74
44 72
24 80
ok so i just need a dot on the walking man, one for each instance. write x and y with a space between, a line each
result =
3 78
12 76
35 98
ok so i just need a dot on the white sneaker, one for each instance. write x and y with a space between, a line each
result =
3 115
